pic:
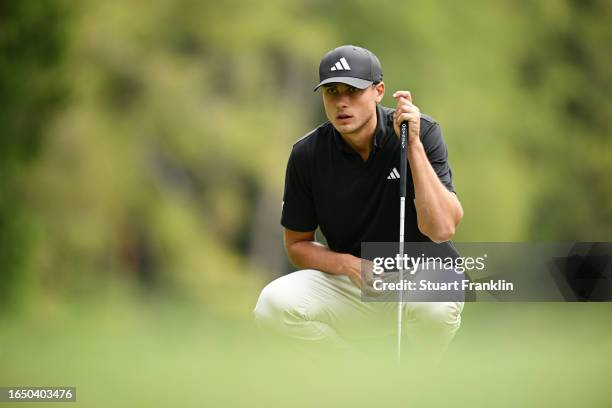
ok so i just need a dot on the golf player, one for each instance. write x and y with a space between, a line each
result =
343 178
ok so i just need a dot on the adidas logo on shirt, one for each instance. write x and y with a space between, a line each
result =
393 175
341 65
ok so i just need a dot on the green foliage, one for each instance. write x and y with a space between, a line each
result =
32 40
170 153
566 70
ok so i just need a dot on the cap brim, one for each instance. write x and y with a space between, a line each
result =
356 82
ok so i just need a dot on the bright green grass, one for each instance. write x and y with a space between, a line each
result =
157 354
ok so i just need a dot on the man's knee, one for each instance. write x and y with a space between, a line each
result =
277 303
440 314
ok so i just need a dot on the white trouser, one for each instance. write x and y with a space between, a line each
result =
314 306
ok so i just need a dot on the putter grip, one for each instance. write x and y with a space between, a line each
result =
403 160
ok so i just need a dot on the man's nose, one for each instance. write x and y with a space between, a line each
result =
342 100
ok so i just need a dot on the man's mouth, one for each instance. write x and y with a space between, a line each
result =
343 116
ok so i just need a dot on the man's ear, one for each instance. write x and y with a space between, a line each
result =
380 91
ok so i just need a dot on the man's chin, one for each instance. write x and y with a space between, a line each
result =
344 128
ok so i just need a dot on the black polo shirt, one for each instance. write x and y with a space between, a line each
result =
327 184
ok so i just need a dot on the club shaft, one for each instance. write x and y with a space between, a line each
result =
403 175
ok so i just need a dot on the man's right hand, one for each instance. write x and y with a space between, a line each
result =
304 252
351 267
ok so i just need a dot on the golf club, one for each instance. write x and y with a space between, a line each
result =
402 182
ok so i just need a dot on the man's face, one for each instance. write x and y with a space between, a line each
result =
348 108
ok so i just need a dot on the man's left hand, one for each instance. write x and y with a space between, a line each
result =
406 111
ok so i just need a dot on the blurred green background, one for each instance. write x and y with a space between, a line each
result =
142 160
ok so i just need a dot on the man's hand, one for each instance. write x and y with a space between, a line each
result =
353 269
405 111
306 253
438 210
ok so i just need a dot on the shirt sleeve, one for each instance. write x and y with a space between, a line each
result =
298 212
437 153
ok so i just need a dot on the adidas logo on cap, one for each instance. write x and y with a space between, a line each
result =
341 65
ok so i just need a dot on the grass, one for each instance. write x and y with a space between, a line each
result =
124 352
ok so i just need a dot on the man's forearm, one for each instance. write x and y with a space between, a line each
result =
438 210
314 255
